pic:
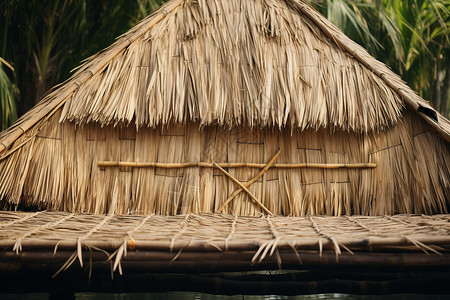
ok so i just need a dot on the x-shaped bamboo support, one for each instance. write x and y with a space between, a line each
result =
244 187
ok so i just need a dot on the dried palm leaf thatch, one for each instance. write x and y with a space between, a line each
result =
230 82
404 169
232 63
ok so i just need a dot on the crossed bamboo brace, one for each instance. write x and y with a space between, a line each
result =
221 166
245 187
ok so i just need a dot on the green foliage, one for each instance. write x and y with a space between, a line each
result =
352 17
8 113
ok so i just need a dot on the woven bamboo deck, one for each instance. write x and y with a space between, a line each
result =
60 243
21 231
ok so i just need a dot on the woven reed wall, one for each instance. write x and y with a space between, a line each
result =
58 170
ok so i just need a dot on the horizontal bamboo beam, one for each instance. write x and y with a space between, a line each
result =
304 243
150 259
104 164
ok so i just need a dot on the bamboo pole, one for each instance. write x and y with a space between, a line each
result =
104 164
261 173
245 189
289 257
306 243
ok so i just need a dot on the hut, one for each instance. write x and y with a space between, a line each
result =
241 107
140 125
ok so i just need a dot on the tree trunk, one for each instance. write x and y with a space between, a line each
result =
437 85
445 93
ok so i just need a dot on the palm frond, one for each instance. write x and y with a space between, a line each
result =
8 112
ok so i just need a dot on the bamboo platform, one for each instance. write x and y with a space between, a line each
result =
60 244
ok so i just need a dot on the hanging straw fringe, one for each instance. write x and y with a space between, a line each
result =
269 245
79 252
321 233
18 244
128 243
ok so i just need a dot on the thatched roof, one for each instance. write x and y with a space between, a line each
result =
253 63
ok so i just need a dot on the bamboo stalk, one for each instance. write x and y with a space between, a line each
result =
369 243
230 165
244 188
261 173
327 258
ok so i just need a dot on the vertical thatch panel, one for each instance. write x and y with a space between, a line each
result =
144 181
432 159
13 172
356 149
190 200
399 139
68 161
207 185
45 177
217 143
98 140
125 148
110 143
382 182
168 181
285 183
248 147
232 152
311 150
271 181
337 201
82 164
